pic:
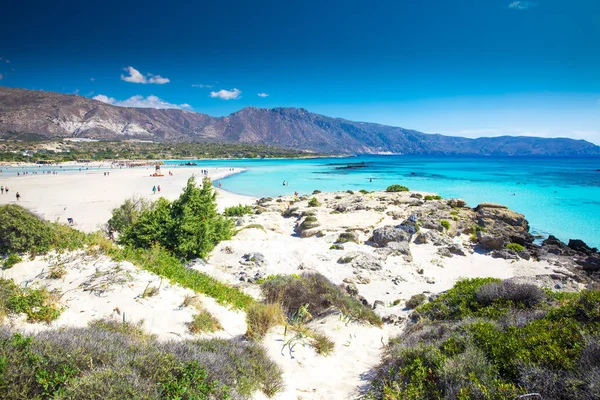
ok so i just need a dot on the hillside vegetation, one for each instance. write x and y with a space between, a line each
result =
492 339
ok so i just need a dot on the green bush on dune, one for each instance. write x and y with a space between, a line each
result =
23 231
238 211
396 188
114 360
492 339
189 226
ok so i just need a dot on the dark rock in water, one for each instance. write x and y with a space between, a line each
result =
382 236
552 241
580 246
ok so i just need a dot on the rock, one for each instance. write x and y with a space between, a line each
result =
430 281
420 271
378 303
351 289
196 263
392 319
421 238
457 250
490 205
348 280
439 239
254 258
409 227
367 262
382 236
363 300
429 223
395 214
456 203
401 248
490 241
416 196
590 264
580 246
362 280
525 255
444 252
505 253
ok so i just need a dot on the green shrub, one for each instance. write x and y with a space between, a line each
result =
12 260
363 191
445 224
22 231
313 202
309 222
316 294
98 363
38 304
262 317
316 192
238 211
396 188
322 343
345 237
516 247
160 262
204 322
189 227
415 301
430 197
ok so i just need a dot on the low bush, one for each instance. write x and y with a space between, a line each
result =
518 293
516 247
314 202
262 317
465 347
345 237
22 231
316 192
160 262
432 197
106 361
189 227
317 294
445 224
415 301
363 191
38 304
309 222
322 343
396 188
238 211
204 322
11 260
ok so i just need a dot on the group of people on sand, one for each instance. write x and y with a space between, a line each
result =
155 188
4 189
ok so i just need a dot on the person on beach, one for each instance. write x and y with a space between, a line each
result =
158 188
6 189
18 196
2 189
153 189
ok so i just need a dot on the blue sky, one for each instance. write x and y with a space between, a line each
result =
464 67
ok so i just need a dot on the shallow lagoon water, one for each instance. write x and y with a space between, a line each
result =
559 196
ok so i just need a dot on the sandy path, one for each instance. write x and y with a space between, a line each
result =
88 196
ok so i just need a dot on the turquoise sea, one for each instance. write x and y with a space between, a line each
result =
559 196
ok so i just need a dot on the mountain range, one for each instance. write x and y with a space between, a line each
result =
49 115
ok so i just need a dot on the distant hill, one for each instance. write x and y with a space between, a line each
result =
26 113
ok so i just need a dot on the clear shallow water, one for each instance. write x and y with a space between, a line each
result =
560 196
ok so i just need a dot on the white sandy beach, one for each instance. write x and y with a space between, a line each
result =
385 280
88 196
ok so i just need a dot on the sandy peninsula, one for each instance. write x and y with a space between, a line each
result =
381 261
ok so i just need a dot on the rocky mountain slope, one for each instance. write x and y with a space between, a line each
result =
51 114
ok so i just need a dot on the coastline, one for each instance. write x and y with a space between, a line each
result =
88 196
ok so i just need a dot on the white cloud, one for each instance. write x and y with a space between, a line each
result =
159 80
136 76
227 94
263 94
521 5
200 85
140 102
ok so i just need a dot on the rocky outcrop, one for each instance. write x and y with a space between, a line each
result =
500 226
384 235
